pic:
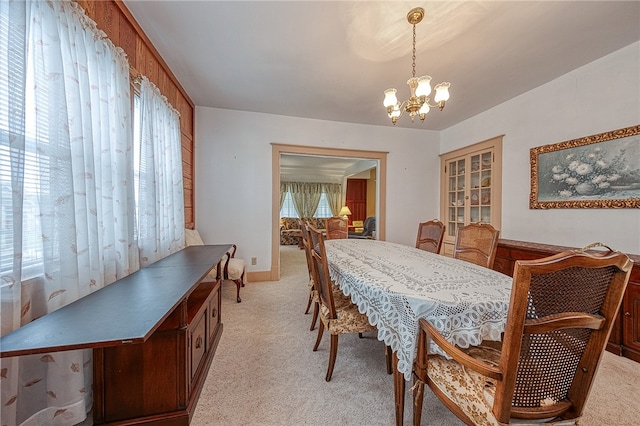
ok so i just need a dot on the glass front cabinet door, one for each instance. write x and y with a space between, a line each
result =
471 188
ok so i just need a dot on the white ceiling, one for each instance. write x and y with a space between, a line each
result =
332 60
306 168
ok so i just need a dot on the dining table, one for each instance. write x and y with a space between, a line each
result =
395 285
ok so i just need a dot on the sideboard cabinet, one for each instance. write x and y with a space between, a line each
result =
153 334
471 188
625 336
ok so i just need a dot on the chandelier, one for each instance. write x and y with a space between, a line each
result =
420 87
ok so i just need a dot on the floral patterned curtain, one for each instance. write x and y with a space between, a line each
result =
306 197
66 156
333 192
283 193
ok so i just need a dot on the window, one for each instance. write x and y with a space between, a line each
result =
323 210
289 210
28 158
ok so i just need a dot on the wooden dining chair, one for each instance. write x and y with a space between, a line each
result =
313 294
430 235
561 312
338 314
230 267
476 243
336 228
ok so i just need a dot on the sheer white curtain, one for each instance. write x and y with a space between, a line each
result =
67 194
160 183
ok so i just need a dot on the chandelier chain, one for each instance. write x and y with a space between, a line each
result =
413 57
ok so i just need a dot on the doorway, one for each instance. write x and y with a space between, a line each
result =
279 149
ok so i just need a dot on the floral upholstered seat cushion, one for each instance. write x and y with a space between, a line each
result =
349 320
290 231
472 391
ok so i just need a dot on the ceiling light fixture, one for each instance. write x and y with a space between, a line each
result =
420 87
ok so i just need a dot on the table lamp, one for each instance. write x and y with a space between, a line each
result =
344 212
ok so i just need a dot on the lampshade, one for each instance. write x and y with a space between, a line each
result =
344 211
424 86
390 98
442 92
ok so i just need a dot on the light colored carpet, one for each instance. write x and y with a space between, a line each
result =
265 372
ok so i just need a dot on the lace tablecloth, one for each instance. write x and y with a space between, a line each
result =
394 285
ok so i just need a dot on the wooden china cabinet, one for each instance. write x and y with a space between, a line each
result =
471 188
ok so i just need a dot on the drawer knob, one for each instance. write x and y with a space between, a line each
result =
214 312
627 314
199 342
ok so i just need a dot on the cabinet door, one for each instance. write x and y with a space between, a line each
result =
470 190
631 322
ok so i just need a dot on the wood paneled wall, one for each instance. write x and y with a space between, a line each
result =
113 17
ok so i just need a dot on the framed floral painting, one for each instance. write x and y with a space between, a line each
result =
599 171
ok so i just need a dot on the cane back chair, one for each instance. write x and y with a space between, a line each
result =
338 314
430 236
313 294
561 313
476 243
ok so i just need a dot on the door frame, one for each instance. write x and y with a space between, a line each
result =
278 149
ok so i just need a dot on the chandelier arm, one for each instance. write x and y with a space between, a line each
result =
439 105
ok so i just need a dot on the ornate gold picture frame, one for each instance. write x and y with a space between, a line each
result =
600 171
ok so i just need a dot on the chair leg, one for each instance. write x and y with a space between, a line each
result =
319 338
332 356
306 311
238 285
418 398
389 358
314 318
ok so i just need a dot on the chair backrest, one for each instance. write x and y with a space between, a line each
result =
561 313
476 243
336 228
306 243
430 235
369 226
320 268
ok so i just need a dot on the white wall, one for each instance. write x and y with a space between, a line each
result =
233 174
601 96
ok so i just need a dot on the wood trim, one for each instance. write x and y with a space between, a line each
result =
140 33
278 149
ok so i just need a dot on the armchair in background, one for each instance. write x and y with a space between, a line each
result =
336 228
232 269
369 229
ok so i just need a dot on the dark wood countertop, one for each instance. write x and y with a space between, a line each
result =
549 247
127 311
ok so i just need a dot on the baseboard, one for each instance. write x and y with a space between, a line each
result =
259 276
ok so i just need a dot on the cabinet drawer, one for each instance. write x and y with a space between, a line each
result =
198 341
